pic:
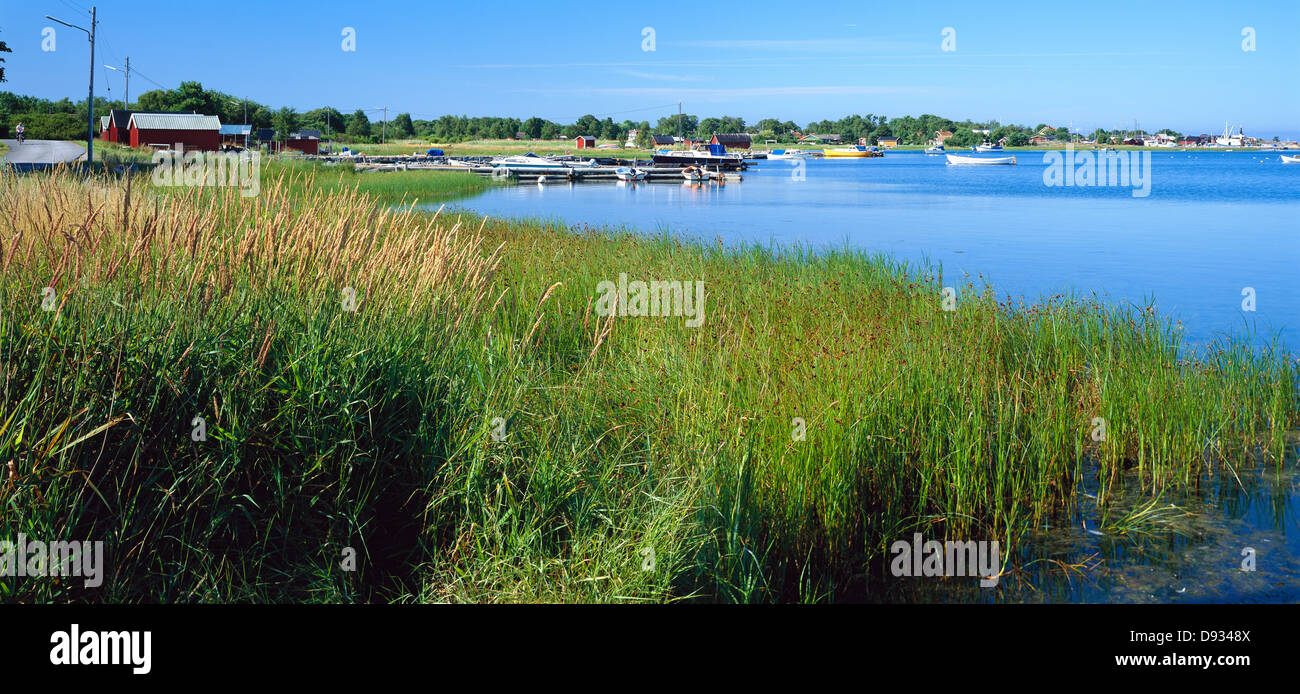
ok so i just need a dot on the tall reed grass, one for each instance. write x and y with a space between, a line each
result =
476 432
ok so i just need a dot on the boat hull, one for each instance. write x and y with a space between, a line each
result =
850 153
724 163
957 160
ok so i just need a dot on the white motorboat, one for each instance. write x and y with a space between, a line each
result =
630 174
987 147
790 154
695 174
532 161
958 159
1289 160
936 150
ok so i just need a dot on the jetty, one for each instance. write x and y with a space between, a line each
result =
605 168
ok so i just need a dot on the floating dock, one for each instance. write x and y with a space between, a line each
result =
605 170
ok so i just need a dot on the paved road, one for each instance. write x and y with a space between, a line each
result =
43 151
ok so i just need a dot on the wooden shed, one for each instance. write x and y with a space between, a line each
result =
189 130
585 141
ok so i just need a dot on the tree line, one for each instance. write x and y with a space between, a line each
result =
66 120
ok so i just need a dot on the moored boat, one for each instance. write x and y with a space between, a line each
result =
986 147
856 151
1289 160
936 150
695 174
791 154
958 159
630 174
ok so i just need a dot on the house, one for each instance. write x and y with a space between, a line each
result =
888 141
1042 140
823 139
305 141
663 140
940 136
732 140
631 138
265 134
118 127
585 141
188 130
235 135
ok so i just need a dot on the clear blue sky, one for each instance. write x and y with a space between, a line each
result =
1165 64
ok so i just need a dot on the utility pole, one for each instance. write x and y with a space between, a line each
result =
679 121
128 80
90 100
384 130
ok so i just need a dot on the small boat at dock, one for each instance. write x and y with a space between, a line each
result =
695 174
630 174
957 159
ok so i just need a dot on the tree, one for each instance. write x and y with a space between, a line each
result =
359 125
326 119
643 138
1017 139
550 131
668 125
533 127
286 122
3 49
402 126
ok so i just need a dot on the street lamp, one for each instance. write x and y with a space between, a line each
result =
90 100
127 71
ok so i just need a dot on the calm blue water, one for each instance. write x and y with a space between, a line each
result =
1213 224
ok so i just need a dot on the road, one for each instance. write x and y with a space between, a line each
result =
43 151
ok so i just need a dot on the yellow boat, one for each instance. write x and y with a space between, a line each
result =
858 151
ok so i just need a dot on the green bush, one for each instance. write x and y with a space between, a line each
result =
51 126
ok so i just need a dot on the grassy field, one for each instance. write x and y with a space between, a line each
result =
304 177
441 395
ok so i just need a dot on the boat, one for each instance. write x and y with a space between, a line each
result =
857 151
630 174
715 157
1289 160
791 154
732 176
532 161
541 180
959 159
936 150
695 174
987 147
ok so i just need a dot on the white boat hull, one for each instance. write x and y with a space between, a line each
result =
1289 160
958 160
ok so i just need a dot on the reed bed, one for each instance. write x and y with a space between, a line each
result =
476 432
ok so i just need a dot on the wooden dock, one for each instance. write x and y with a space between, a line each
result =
481 166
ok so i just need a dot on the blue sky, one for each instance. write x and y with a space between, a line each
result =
1163 64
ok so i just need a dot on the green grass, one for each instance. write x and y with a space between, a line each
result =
374 429
383 186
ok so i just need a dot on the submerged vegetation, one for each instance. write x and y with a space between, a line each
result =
440 394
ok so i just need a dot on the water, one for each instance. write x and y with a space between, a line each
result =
1213 224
